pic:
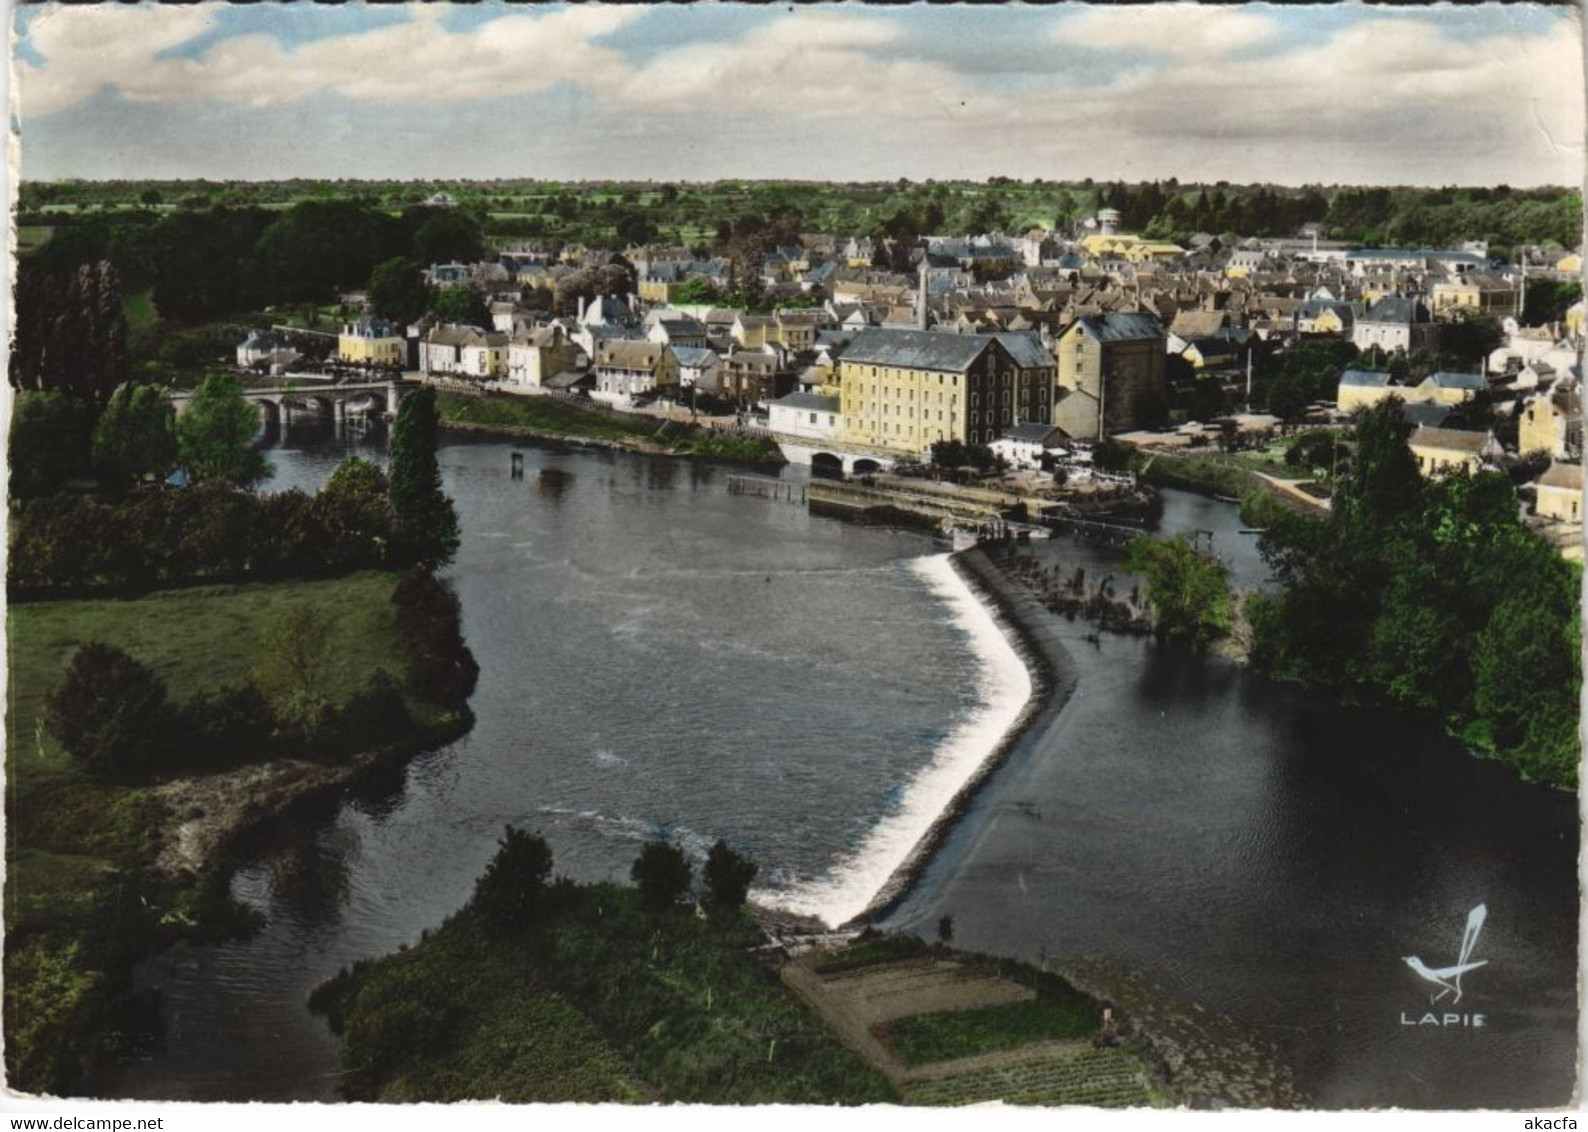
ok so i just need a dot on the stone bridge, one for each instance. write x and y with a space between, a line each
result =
333 400
831 458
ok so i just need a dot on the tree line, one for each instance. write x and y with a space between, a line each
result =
126 538
207 264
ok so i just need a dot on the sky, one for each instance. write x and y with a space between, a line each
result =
1471 95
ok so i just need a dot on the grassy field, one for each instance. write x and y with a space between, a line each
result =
694 1015
869 953
547 416
926 1038
79 851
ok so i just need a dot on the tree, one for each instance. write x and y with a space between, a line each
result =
215 436
728 876
135 439
294 665
1186 588
49 441
1468 339
462 305
71 334
354 511
635 228
427 524
398 291
663 875
513 886
1548 300
447 236
111 713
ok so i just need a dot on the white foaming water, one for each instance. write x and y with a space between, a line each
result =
1003 686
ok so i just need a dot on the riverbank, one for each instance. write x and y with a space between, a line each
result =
594 998
104 873
552 420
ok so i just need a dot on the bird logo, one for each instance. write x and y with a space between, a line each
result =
1448 979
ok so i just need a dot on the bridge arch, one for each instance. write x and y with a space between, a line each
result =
827 465
865 466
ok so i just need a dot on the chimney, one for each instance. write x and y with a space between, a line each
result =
920 313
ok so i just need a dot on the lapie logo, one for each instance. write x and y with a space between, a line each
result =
1448 979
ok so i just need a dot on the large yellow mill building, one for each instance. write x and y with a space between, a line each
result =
904 390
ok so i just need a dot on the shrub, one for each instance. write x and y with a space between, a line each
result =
229 725
663 875
728 876
111 713
375 711
513 887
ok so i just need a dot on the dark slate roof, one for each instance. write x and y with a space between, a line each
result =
1119 326
1472 381
1365 378
1026 349
567 379
916 349
1424 413
1398 309
1035 432
813 402
693 355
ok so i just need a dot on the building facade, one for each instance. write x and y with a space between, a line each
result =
905 390
1110 374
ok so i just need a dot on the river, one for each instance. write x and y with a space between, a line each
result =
661 657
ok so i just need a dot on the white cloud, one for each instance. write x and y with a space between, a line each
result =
811 64
1199 93
86 49
1184 31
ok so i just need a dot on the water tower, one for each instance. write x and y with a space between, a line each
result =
1107 221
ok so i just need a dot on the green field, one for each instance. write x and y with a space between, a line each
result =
546 416
925 1038
81 899
1096 1078
538 1013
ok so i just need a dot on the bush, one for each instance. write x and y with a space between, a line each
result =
663 875
376 712
728 876
227 726
111 713
513 887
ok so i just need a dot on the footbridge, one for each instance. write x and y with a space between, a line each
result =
333 400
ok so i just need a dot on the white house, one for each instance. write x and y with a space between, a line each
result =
806 415
1024 445
697 365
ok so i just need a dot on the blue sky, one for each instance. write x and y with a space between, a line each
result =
1474 94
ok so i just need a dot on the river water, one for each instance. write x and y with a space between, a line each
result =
662 657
